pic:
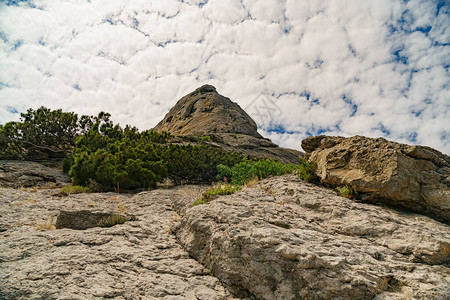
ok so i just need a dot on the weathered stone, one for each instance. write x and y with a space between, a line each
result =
140 259
414 177
206 112
81 219
16 173
287 239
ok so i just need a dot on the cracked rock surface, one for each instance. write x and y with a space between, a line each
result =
16 173
280 239
140 259
287 239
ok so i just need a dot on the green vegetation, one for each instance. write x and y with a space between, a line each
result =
125 159
215 191
242 172
347 191
306 171
73 189
45 133
41 133
205 138
112 220
102 156
248 171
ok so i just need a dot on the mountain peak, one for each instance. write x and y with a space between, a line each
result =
205 112
206 88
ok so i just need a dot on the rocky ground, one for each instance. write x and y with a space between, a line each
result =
280 239
140 259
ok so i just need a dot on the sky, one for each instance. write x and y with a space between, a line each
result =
378 68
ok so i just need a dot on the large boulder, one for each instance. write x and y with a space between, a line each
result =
413 177
206 112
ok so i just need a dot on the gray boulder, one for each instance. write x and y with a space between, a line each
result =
413 177
17 173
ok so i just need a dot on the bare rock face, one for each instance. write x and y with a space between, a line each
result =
16 173
281 239
206 112
287 239
414 177
140 259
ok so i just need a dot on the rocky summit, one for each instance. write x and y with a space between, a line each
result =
205 112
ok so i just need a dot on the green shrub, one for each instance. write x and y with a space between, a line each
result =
248 169
347 191
205 138
197 164
74 189
125 159
306 171
215 191
112 220
67 164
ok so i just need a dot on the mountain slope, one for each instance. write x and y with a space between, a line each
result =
205 112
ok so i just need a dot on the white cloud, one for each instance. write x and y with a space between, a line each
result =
374 67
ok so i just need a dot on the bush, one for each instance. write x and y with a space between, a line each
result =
126 159
215 191
347 191
242 172
205 138
307 171
112 220
73 189
41 133
197 164
247 171
45 133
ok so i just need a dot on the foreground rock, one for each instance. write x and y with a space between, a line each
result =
281 239
287 239
414 177
206 112
140 259
16 173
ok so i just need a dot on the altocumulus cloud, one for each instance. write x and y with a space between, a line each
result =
337 67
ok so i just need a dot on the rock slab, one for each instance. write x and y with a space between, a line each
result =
140 259
287 239
16 173
413 177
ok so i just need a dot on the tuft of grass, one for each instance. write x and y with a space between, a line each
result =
307 171
73 189
252 181
347 191
112 220
216 191
47 225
